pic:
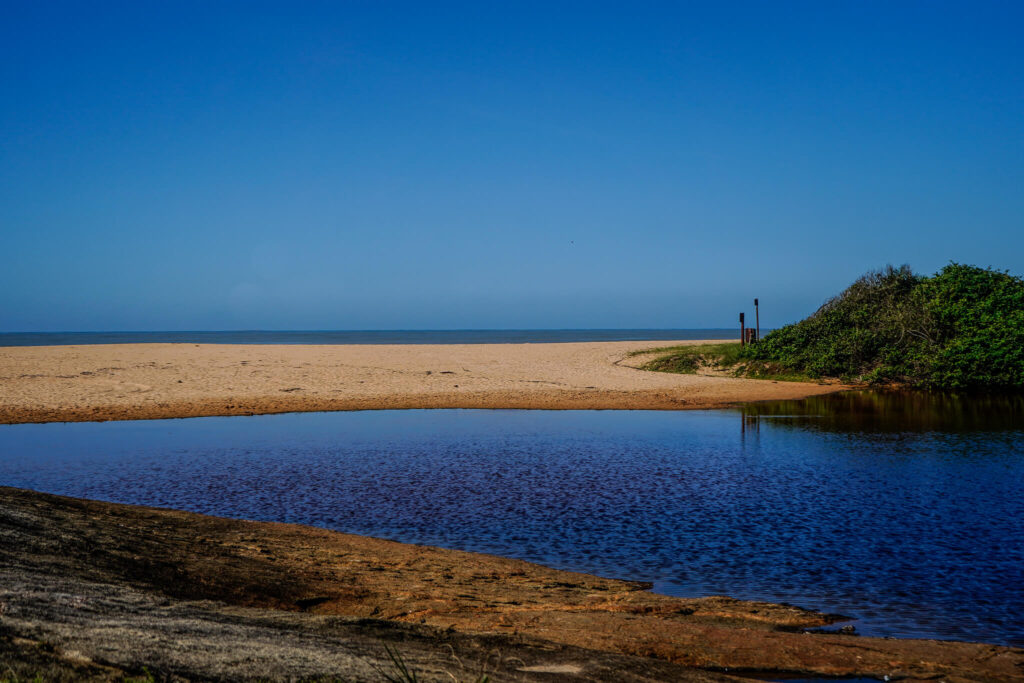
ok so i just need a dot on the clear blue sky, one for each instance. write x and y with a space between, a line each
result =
377 165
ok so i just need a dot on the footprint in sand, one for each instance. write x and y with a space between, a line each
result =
126 387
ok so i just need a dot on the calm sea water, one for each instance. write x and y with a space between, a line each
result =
357 337
906 513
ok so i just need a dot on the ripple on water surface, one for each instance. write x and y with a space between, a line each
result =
913 526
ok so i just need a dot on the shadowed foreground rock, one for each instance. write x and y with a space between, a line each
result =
104 591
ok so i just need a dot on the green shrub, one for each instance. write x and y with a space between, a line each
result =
960 328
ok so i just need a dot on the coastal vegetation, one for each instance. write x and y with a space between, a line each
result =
961 328
729 359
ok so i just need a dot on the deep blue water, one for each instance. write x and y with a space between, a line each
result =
915 529
357 336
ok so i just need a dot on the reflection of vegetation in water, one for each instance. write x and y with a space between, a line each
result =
899 411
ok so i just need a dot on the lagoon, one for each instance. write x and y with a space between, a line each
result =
902 511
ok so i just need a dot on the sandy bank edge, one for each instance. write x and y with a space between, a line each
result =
117 584
153 381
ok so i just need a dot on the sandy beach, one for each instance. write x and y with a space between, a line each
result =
148 381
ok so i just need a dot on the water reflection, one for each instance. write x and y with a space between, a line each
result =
897 411
902 510
750 425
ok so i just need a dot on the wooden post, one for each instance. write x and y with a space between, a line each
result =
743 332
757 316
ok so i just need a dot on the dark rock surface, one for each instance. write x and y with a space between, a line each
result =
92 590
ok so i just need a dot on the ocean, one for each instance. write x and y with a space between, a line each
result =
358 336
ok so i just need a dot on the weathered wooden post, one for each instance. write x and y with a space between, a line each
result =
757 319
743 331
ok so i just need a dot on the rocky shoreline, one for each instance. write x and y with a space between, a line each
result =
101 591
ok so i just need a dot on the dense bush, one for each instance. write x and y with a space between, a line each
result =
963 327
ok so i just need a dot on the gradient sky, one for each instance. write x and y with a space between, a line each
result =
352 165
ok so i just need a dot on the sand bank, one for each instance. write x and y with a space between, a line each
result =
85 582
147 381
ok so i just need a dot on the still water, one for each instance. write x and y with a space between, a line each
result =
905 512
